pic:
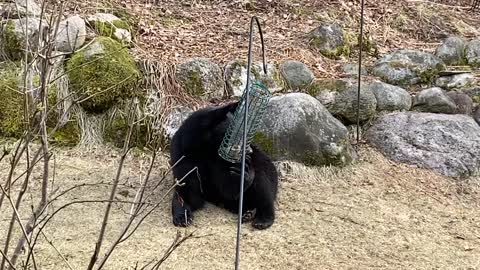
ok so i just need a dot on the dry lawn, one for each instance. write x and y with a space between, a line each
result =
374 214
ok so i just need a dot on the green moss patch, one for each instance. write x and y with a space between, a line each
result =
104 74
11 101
12 45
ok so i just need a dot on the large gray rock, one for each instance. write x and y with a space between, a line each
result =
297 75
328 39
298 127
452 51
340 98
13 37
473 52
19 9
447 144
390 97
71 34
408 67
462 101
201 77
236 77
457 81
434 100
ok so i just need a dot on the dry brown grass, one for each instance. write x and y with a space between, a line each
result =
373 214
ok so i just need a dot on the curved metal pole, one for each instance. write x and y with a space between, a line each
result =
245 117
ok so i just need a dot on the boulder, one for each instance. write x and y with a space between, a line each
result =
434 100
351 69
297 75
329 40
457 81
340 98
201 77
105 72
462 101
13 38
175 119
408 67
473 93
473 52
236 77
109 25
452 51
298 127
447 144
20 9
390 97
71 34
476 115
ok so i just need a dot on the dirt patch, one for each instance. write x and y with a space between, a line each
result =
374 214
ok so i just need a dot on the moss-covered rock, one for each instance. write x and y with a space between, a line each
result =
11 101
13 38
408 67
236 77
109 25
202 78
329 39
340 98
105 72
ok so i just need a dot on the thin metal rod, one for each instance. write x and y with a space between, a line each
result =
359 70
245 117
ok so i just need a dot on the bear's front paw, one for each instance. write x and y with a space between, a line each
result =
262 223
182 218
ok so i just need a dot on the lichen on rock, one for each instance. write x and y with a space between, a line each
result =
202 78
102 73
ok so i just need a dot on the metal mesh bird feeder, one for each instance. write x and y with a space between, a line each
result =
252 104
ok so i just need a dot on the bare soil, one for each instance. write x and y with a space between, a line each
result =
373 214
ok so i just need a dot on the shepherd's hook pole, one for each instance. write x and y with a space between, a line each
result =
245 117
359 70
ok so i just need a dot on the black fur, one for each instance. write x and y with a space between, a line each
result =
216 180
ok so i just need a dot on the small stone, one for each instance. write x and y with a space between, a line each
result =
434 100
296 74
457 81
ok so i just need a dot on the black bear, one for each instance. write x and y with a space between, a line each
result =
214 179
